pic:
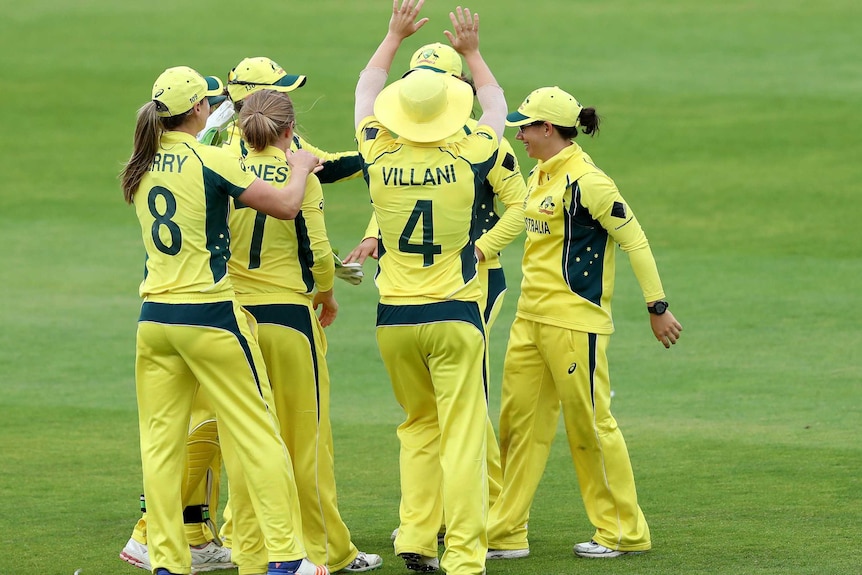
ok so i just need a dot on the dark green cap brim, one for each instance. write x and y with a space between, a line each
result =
516 118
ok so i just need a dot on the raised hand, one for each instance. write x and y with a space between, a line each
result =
403 22
465 40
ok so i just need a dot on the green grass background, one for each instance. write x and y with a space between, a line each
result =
732 128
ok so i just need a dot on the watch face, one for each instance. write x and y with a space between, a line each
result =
658 307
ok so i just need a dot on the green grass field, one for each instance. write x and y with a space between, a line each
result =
732 128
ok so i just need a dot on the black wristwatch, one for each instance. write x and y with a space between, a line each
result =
658 307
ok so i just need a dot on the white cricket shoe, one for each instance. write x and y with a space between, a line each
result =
363 562
420 563
136 554
210 557
507 553
595 550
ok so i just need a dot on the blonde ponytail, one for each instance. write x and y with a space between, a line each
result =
264 117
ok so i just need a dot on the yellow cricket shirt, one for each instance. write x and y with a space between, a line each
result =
271 256
337 166
182 206
425 197
574 216
504 184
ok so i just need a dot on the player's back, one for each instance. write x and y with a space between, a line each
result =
182 206
272 256
424 200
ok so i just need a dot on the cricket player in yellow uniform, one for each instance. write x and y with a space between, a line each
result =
192 331
491 233
282 272
204 455
430 331
556 357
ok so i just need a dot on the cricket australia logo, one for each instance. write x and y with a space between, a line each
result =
428 56
547 206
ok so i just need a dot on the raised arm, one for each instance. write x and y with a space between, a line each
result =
465 41
372 79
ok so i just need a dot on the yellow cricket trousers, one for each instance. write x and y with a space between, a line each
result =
548 368
294 349
435 357
179 346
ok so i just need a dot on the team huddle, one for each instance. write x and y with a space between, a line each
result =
238 288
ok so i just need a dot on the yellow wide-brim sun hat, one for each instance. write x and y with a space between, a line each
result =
425 106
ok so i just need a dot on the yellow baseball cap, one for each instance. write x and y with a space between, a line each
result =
547 105
177 89
424 106
438 58
256 74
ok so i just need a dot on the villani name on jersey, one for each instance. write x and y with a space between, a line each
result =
409 177
537 226
168 163
269 173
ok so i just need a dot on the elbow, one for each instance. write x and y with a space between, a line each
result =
287 212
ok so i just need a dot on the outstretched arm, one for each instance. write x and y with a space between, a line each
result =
465 41
372 79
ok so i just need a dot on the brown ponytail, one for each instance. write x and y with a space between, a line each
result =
148 131
589 122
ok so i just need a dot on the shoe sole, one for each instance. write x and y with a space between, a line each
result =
413 561
360 569
507 553
610 555
132 560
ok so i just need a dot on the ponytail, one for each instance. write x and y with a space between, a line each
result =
148 131
148 134
589 121
264 117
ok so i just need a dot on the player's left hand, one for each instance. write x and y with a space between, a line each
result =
330 307
466 26
665 328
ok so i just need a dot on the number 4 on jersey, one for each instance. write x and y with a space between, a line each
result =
427 248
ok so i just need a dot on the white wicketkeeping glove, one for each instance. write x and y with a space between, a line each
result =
216 123
351 273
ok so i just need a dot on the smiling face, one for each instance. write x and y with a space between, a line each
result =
534 136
